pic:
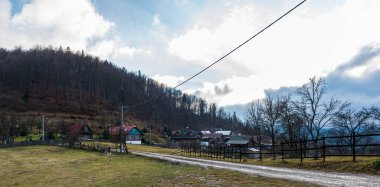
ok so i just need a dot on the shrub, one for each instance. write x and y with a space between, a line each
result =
376 164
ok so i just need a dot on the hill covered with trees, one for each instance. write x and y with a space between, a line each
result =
60 80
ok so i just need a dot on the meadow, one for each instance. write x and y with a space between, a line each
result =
60 166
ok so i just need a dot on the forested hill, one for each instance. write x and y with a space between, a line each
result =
57 80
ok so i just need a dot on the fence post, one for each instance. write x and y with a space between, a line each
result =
202 151
214 151
353 147
323 148
240 153
261 154
282 150
301 149
224 152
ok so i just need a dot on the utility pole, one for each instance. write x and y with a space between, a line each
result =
43 127
150 135
121 129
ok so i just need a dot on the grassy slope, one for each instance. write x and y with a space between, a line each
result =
57 166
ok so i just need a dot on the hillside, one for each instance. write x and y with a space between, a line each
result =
61 81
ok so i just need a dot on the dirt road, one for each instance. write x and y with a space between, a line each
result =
321 178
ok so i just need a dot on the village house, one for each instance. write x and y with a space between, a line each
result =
80 131
215 139
241 141
186 136
225 133
132 134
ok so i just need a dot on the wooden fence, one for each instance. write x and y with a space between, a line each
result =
349 146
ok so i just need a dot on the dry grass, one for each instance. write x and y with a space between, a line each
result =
332 164
58 166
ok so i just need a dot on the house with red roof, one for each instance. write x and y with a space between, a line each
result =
132 134
82 131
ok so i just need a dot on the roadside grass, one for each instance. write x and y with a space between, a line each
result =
60 166
364 165
26 138
153 149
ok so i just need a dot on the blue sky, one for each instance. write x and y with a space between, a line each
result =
169 40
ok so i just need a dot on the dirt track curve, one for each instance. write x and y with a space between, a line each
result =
316 177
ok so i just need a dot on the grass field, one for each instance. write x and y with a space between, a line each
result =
58 166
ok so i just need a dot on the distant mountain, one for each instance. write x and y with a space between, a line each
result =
58 80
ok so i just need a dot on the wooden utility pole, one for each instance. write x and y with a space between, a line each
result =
43 127
121 128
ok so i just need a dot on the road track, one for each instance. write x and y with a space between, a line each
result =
316 177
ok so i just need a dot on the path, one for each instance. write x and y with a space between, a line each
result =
321 178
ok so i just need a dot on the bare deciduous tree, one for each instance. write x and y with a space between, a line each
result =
350 121
271 110
314 108
291 123
254 118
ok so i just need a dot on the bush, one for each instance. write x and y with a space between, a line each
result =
376 164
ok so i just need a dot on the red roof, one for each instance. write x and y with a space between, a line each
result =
129 127
116 129
76 128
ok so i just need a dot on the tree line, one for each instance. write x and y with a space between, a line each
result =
308 113
48 79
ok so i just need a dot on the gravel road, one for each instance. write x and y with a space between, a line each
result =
316 177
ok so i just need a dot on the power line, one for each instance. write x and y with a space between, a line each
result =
230 52
236 48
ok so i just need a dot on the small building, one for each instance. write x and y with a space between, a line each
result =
132 134
225 133
186 136
205 133
241 141
253 152
215 139
81 131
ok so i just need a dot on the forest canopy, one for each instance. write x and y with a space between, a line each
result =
50 79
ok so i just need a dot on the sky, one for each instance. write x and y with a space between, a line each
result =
170 40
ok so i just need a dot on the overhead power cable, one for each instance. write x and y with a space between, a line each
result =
230 52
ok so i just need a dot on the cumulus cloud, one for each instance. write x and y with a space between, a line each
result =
73 23
306 43
113 49
42 22
361 64
222 90
359 89
156 20
168 79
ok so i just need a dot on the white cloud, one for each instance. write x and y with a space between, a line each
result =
113 49
307 42
156 20
73 23
63 22
168 79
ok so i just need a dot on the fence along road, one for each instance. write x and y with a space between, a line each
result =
316 177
